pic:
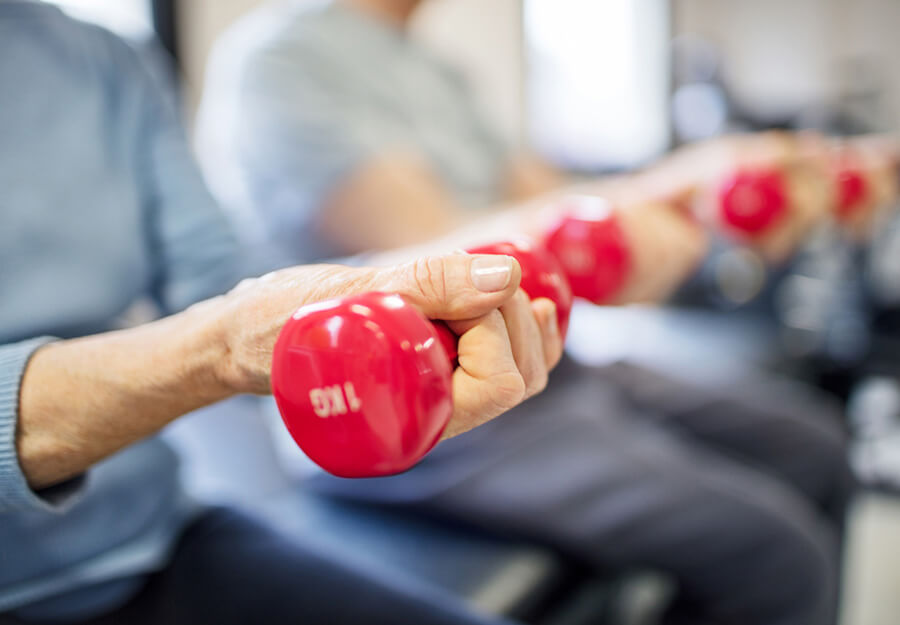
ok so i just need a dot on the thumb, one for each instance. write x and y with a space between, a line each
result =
455 286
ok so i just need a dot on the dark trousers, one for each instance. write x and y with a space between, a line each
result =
738 493
228 569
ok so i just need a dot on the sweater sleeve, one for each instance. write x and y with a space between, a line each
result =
15 494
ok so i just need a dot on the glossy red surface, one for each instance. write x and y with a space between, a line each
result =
363 384
852 191
542 275
449 341
592 250
752 201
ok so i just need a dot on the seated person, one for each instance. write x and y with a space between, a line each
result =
101 206
738 493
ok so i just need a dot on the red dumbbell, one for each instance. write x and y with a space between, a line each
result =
852 186
591 247
363 383
753 201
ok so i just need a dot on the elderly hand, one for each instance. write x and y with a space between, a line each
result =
507 344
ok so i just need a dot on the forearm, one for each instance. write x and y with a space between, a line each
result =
84 399
528 176
496 224
392 201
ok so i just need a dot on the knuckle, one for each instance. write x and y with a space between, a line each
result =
557 356
430 277
517 304
538 382
521 297
243 285
510 390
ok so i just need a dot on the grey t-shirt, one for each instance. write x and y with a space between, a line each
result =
298 95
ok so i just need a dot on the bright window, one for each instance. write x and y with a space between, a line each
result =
129 18
598 80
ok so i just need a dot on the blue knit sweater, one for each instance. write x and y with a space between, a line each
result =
101 206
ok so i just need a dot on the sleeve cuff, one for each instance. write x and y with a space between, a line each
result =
15 494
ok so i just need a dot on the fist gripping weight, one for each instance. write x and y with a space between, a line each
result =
363 383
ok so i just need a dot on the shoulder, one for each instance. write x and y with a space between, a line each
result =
73 39
283 37
88 53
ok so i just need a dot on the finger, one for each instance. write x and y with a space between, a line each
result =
526 342
551 340
455 286
484 347
487 381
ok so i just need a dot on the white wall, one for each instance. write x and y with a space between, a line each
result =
780 52
482 36
201 22
784 53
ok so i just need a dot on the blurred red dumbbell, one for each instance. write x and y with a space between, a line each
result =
591 247
750 202
363 383
852 187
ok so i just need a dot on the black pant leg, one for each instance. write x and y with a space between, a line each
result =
579 469
229 569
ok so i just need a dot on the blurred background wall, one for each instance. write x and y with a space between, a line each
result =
809 62
460 29
589 82
780 56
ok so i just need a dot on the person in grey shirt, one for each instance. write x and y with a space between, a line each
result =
101 205
738 493
370 97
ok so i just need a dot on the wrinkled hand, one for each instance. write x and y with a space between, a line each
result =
507 344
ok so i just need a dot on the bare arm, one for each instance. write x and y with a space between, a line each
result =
391 201
396 200
528 176
84 399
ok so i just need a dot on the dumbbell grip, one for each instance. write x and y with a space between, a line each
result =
448 340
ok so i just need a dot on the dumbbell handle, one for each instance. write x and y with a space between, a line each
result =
448 339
